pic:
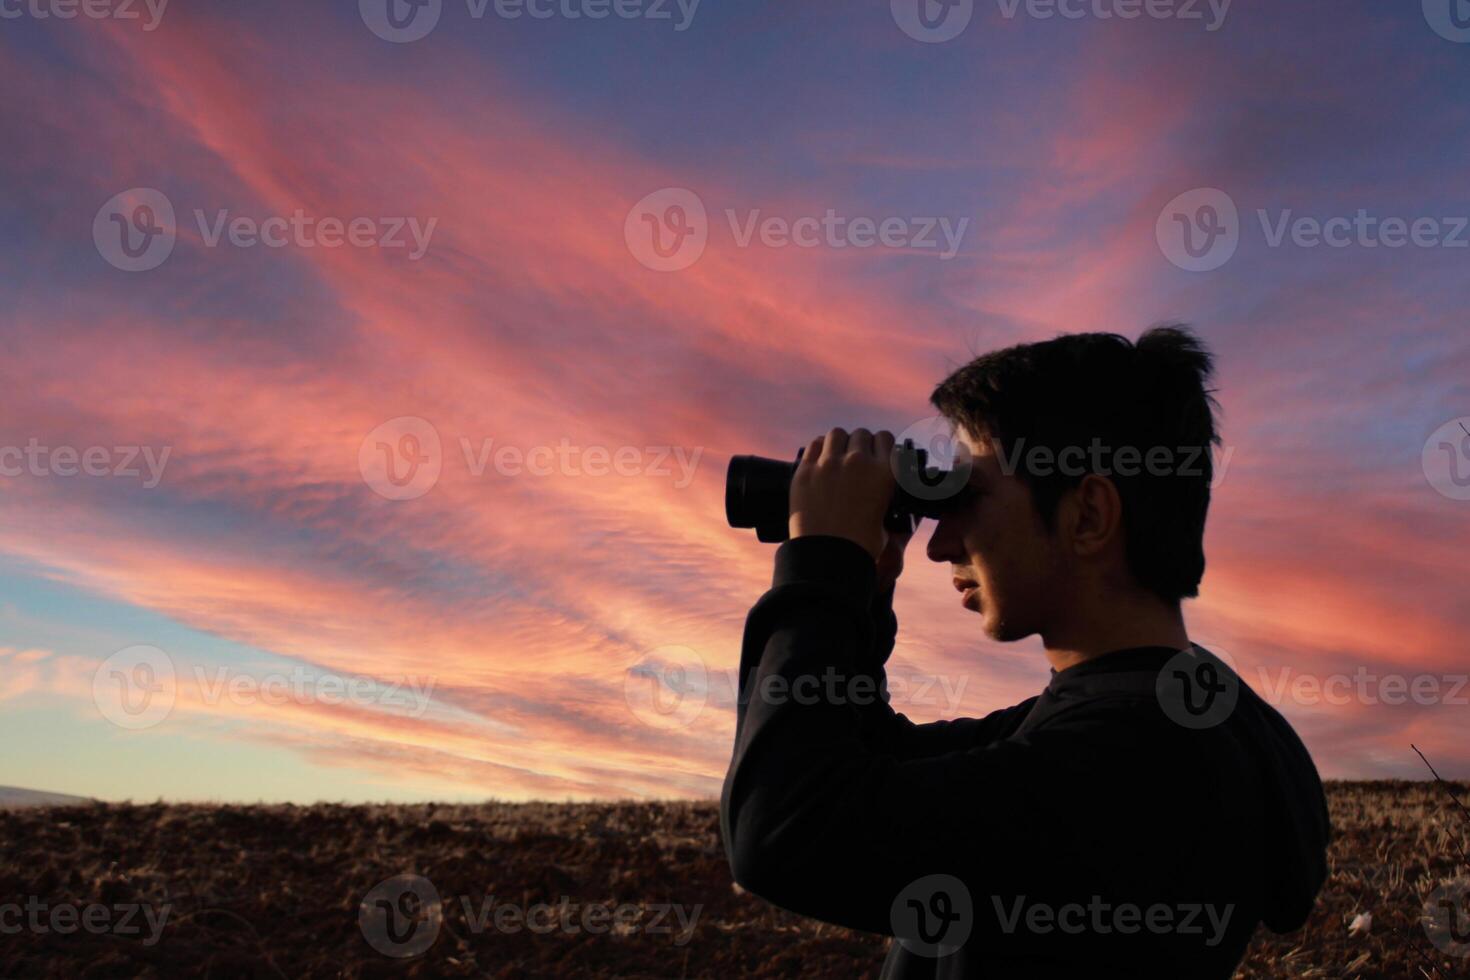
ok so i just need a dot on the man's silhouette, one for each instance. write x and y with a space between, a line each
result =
1138 817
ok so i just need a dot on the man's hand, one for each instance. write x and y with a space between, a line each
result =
843 486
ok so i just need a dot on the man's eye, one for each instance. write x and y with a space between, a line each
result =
966 496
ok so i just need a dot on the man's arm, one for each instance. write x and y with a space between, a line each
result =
814 818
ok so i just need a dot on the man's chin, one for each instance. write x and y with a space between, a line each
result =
1001 631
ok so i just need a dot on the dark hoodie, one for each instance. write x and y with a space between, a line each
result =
1082 832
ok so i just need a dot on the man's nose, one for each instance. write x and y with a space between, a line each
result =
944 543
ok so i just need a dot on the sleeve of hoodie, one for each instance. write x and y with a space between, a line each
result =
826 813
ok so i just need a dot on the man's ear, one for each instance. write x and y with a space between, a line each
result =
1096 515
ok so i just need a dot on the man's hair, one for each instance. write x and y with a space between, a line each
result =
1091 389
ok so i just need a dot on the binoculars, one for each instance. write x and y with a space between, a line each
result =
758 492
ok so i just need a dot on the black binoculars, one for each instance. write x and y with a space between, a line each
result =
758 492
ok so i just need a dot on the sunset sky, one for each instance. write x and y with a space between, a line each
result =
528 600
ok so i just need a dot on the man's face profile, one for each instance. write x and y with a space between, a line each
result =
1001 554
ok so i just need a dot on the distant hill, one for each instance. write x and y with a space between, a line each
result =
14 796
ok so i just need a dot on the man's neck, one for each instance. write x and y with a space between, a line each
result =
1120 623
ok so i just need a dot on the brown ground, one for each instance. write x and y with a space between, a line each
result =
274 891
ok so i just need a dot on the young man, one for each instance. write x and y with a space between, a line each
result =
1142 814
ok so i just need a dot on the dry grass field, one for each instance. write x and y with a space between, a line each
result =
560 890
